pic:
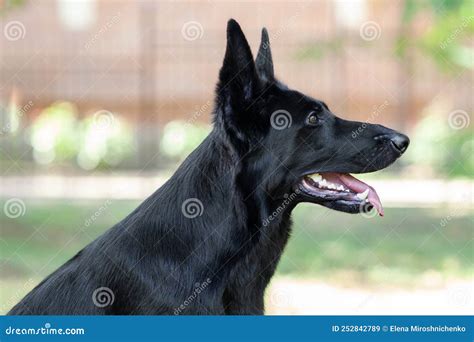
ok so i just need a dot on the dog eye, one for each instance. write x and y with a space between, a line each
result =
312 119
318 108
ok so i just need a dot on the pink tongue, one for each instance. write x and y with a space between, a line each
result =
358 186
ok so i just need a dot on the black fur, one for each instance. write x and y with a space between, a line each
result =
159 261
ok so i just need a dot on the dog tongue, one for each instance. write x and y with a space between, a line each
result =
358 186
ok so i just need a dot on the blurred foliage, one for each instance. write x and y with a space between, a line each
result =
442 145
320 49
439 143
54 135
446 39
180 138
9 4
58 135
101 143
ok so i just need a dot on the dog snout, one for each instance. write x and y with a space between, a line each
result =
398 141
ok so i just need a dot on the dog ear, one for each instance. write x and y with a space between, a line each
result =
264 61
237 100
238 80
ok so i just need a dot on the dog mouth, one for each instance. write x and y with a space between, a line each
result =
340 191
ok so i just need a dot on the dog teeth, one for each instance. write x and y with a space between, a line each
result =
316 177
324 184
363 195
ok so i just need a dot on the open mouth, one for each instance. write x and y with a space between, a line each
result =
340 191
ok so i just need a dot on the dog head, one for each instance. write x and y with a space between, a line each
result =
290 142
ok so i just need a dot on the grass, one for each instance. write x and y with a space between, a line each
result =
406 247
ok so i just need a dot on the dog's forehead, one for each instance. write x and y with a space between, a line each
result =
304 100
287 96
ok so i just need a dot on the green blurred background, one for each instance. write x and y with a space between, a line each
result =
101 100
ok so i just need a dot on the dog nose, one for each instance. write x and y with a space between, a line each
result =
400 142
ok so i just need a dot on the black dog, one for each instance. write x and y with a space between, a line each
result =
209 240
